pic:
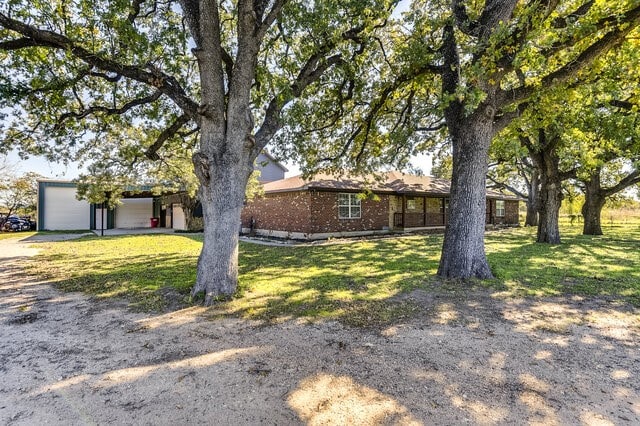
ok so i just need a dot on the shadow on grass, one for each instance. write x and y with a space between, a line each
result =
361 283
581 265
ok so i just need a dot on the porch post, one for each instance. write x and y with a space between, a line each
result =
424 211
404 209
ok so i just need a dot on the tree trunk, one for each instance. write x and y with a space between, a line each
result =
593 204
532 207
222 193
549 212
550 195
188 207
463 254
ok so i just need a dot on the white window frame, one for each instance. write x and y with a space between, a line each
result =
352 202
500 211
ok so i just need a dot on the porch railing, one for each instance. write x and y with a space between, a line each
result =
415 220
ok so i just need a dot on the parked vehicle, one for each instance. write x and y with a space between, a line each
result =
16 224
32 223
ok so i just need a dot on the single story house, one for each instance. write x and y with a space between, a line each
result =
59 209
325 206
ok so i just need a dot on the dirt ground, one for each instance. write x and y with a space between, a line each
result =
67 359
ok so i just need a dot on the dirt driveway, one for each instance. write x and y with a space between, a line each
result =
66 359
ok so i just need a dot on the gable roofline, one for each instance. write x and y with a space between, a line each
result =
391 183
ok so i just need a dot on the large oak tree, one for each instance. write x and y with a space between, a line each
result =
465 70
79 73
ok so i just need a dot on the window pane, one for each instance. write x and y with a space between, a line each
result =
355 212
343 199
343 212
434 205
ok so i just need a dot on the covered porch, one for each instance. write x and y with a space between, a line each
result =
418 211
413 212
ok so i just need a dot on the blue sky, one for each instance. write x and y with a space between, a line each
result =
42 166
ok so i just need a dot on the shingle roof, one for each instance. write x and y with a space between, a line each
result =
389 182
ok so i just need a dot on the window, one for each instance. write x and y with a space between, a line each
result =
500 208
348 206
434 205
415 204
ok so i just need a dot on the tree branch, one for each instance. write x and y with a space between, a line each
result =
135 10
569 19
310 73
167 84
152 152
431 128
503 185
22 43
503 120
569 174
271 17
626 105
629 180
610 40
463 22
109 111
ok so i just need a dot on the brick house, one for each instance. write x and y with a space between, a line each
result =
325 206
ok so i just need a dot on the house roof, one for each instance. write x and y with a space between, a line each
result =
390 182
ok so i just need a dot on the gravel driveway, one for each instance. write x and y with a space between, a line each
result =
67 359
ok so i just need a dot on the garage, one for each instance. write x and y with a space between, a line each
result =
179 221
58 208
134 213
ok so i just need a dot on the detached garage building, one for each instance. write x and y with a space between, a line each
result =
59 209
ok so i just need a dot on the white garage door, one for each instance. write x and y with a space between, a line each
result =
178 218
62 211
134 213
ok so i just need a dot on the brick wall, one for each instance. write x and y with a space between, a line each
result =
511 213
317 212
288 211
324 214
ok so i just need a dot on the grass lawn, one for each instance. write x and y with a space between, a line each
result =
26 234
21 235
356 281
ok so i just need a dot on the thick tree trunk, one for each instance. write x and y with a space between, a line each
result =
531 218
532 207
463 254
592 212
550 195
593 204
549 212
222 197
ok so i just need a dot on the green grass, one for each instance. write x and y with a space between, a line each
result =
606 265
20 235
25 234
355 282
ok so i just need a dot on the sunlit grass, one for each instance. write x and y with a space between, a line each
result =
355 282
16 235
582 264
